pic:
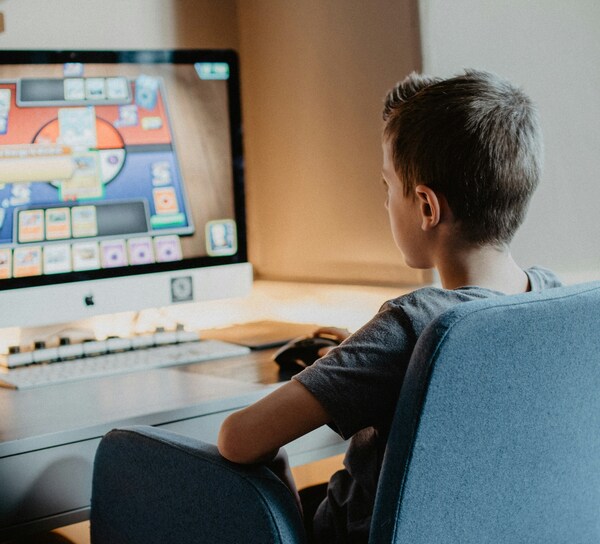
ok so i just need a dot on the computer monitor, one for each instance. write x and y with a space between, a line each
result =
121 182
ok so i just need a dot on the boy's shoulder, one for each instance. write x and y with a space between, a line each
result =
539 278
421 306
436 297
414 311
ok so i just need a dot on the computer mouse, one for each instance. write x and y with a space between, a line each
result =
301 352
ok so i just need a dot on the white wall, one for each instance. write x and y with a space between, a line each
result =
552 49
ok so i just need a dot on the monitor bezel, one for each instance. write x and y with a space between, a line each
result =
152 56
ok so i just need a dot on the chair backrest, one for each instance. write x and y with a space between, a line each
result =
497 432
152 486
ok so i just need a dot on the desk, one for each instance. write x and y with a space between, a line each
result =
48 436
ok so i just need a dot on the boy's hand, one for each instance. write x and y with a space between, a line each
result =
333 332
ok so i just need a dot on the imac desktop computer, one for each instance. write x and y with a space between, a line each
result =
121 182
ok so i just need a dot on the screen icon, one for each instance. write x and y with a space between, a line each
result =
113 253
221 238
212 70
140 250
5 263
31 225
58 223
73 69
165 200
74 89
77 127
57 258
86 256
117 88
167 248
95 88
27 261
146 92
83 221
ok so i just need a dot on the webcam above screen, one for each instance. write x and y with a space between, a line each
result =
121 182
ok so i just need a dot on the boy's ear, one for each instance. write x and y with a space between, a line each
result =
430 206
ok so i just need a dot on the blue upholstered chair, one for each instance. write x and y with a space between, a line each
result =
496 439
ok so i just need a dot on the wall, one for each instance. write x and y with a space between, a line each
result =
118 24
551 49
315 73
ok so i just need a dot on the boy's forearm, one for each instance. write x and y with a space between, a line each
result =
236 446
255 434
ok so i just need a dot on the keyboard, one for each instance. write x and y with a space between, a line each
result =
93 365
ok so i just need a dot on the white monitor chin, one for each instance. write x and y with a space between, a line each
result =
51 304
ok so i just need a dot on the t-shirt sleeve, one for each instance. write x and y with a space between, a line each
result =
542 278
358 382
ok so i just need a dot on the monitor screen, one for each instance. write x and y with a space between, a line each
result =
116 165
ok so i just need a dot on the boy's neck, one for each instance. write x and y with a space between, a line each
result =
486 266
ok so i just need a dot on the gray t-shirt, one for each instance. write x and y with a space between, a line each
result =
359 382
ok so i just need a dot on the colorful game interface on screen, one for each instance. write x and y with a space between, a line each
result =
91 177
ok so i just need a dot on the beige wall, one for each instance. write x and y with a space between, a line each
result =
118 24
314 73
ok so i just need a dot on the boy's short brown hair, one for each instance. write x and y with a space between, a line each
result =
475 138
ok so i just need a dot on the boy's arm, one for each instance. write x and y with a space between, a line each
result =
255 434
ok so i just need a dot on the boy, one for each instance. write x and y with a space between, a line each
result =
461 159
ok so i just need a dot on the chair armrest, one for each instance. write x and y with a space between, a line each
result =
155 486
